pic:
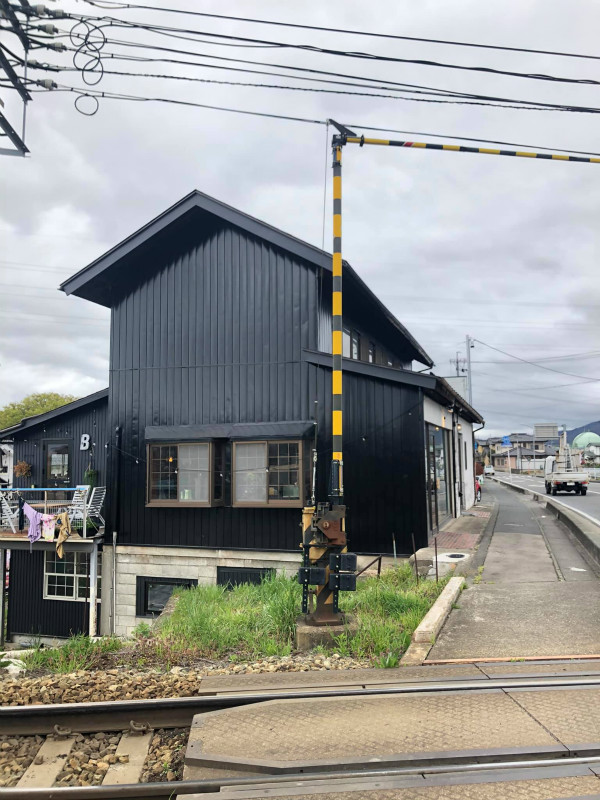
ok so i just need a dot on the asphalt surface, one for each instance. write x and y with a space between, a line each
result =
537 595
590 504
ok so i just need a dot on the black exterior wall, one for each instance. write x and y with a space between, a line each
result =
213 333
91 418
28 612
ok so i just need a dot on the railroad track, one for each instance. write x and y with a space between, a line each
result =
369 777
176 712
137 720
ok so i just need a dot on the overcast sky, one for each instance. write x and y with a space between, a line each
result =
505 250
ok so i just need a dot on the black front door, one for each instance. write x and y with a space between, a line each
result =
58 462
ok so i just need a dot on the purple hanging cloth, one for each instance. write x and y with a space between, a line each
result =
35 523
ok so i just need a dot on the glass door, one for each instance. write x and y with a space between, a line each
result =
58 464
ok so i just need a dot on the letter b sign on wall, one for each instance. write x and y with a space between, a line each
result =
84 444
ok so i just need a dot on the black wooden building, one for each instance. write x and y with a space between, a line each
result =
62 447
220 388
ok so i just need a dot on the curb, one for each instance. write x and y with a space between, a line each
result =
425 634
432 622
585 529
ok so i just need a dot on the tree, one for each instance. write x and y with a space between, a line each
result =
31 405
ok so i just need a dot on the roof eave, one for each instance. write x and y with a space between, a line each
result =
38 419
194 200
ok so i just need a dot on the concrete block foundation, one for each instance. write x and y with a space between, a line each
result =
310 636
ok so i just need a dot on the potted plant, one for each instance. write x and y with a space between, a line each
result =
22 469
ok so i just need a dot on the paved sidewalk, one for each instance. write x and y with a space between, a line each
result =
538 596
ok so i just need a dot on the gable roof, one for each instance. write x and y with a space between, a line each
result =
38 419
95 281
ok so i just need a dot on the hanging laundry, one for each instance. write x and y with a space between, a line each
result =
35 523
48 526
64 531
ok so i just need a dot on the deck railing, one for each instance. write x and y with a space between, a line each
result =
47 500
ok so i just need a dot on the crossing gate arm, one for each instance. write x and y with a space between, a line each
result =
459 148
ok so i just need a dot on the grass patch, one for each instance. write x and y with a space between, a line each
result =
247 621
253 621
250 622
78 652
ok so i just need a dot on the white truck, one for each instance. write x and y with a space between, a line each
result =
560 473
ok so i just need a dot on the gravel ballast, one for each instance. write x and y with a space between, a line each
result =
121 683
16 754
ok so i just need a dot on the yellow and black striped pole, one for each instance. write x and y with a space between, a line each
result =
459 148
337 486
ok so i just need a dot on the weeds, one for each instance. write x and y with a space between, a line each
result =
479 577
387 661
256 621
142 630
79 652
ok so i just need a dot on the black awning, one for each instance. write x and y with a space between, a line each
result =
296 429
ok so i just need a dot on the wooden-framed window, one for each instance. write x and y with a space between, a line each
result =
267 473
185 474
67 578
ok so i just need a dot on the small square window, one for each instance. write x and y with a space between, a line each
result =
152 594
235 576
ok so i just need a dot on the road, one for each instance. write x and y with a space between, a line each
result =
590 504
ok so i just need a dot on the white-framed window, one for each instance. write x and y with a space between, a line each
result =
267 473
67 578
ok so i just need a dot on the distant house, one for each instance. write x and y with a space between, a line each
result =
6 464
220 391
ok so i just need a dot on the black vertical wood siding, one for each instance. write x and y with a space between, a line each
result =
92 419
28 612
214 333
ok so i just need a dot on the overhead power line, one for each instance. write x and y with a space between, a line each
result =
348 31
534 364
98 55
186 33
245 84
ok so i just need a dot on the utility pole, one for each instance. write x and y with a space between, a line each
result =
7 132
470 343
457 364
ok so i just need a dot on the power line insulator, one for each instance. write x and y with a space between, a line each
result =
48 28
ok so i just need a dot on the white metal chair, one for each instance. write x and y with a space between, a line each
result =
78 503
7 514
96 502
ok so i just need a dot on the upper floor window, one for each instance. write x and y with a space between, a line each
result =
346 336
184 474
350 343
372 354
267 473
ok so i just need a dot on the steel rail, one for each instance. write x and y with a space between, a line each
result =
371 770
175 712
